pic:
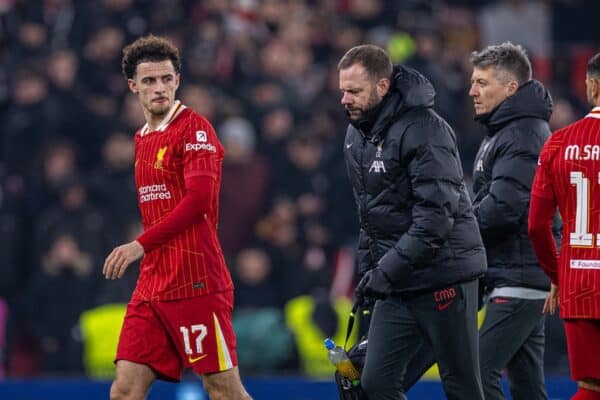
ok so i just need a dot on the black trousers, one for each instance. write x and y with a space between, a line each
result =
404 330
512 337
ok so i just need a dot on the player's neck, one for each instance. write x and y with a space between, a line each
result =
154 120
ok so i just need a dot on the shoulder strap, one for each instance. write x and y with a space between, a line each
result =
351 320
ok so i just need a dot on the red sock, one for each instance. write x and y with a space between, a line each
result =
585 394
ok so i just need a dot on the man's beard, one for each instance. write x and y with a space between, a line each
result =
374 101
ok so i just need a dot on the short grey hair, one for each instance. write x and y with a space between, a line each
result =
505 57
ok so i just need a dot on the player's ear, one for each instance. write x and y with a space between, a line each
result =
132 85
512 87
595 87
177 76
383 85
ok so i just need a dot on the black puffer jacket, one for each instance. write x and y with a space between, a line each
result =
412 201
503 174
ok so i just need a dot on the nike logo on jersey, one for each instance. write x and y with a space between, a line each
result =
349 145
443 306
196 359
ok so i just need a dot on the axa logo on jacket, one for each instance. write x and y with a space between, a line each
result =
378 166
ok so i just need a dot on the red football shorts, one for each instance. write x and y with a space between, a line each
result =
169 336
583 343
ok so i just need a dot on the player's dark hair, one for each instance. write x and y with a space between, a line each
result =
373 58
148 49
593 67
505 57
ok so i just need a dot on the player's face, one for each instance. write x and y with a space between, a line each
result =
488 90
360 92
155 83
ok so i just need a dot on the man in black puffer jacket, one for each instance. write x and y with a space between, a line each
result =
420 252
515 110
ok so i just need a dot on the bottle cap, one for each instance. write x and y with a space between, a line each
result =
329 344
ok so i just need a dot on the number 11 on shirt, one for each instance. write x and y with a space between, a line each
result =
582 237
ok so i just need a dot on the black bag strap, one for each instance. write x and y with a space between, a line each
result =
351 319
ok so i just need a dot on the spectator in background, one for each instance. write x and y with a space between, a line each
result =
27 126
255 281
67 107
515 110
60 289
243 172
11 247
75 214
112 184
131 117
14 272
200 99
563 114
58 163
520 21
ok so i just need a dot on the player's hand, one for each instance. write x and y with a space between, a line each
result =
552 300
120 258
375 284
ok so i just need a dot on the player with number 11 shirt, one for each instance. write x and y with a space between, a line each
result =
568 176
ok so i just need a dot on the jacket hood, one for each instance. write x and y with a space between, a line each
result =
532 100
409 89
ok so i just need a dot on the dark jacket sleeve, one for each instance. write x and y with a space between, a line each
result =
500 208
435 175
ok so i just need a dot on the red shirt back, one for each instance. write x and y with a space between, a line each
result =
192 263
569 173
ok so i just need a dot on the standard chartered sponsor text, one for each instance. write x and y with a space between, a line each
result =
153 192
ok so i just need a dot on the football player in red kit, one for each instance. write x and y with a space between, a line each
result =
180 312
568 176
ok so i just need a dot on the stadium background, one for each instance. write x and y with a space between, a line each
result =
264 72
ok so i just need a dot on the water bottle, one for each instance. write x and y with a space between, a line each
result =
339 358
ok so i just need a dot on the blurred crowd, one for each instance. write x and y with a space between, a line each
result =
264 73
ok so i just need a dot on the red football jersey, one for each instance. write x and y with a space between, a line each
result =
192 263
569 174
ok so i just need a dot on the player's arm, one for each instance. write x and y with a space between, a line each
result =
541 214
189 211
500 211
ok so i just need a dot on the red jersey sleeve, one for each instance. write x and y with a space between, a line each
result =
188 212
542 207
202 151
